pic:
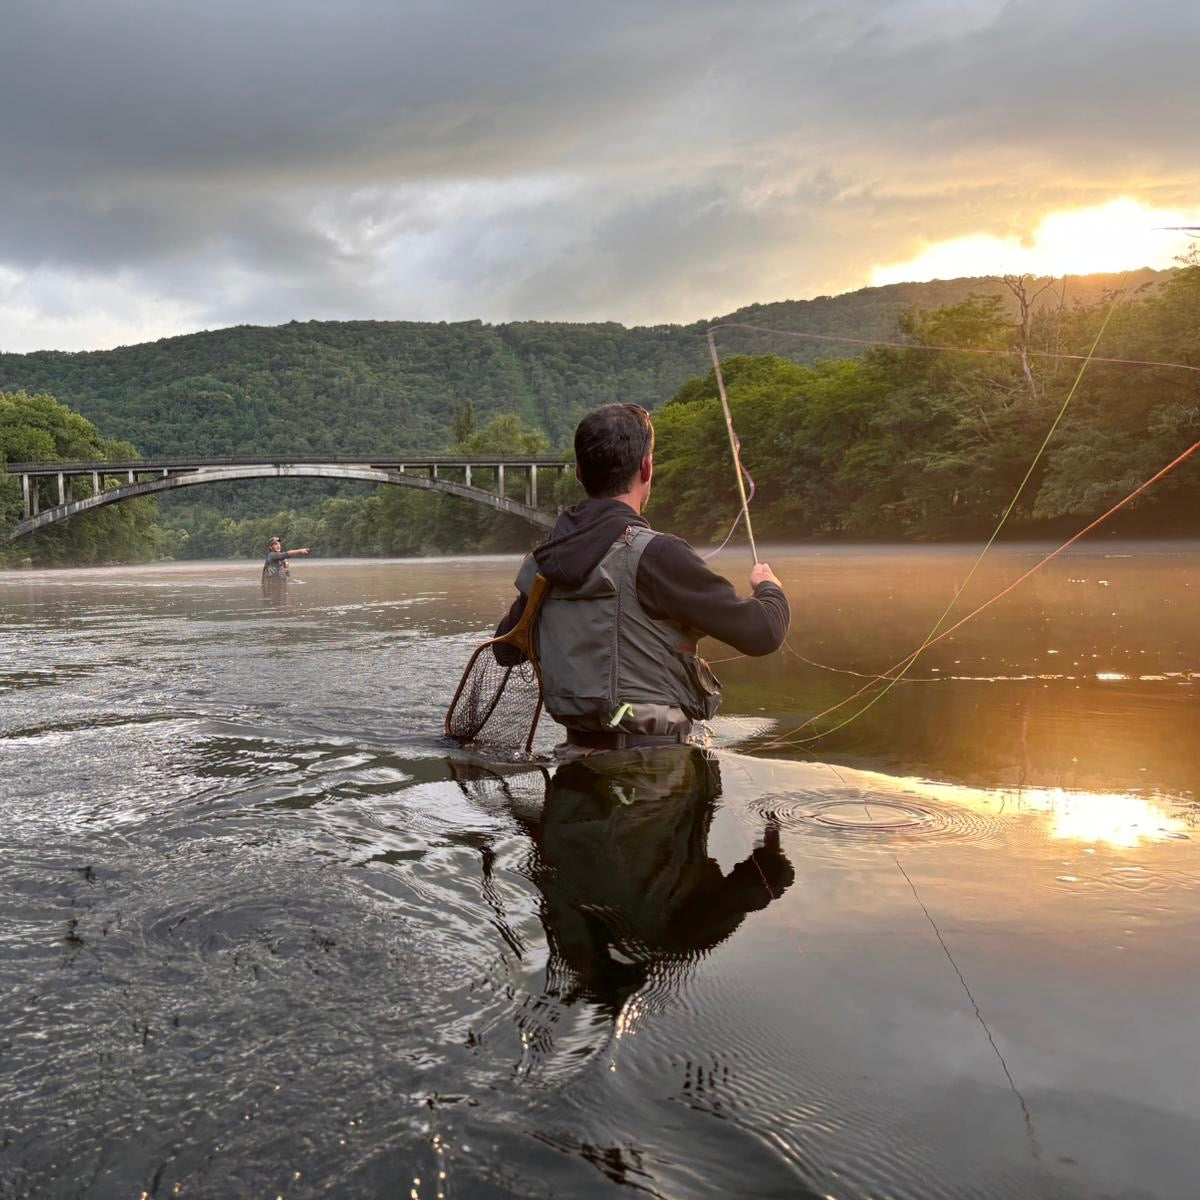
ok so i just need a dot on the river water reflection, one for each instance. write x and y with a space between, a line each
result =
265 934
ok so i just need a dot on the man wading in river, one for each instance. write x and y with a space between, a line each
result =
275 568
616 636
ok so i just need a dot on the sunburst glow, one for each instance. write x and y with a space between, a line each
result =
1121 235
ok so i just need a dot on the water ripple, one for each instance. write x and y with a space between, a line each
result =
868 816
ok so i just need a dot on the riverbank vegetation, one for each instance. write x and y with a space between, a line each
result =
930 444
907 444
927 440
36 428
368 387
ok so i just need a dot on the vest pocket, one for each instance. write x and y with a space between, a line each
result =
704 688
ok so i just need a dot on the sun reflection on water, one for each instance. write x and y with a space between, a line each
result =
1117 819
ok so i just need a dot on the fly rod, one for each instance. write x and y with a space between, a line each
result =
734 445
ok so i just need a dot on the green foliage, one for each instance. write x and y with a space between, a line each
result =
396 521
977 323
842 441
917 443
505 434
1128 422
354 387
36 428
463 424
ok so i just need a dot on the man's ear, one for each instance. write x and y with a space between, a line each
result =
577 474
647 468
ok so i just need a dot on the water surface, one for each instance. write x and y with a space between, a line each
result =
266 934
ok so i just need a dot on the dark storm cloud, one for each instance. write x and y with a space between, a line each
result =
311 90
266 161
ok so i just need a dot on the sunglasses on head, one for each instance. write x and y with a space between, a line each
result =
648 425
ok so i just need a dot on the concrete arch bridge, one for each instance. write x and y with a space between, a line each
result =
43 483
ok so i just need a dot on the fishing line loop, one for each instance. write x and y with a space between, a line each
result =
912 658
934 635
945 633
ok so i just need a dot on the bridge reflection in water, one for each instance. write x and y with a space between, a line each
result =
58 483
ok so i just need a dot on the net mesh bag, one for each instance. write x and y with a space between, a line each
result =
499 698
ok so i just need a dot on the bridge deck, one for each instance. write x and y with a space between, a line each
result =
382 461
148 476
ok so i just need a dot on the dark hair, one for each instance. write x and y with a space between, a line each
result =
610 444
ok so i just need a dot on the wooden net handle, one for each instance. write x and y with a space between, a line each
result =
537 594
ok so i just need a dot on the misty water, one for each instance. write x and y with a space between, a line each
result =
265 933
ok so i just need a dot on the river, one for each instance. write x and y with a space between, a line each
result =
265 933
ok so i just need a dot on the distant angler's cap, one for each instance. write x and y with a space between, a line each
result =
272 541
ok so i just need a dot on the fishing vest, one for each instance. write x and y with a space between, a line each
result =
603 656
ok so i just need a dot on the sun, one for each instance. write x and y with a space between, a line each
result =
1121 235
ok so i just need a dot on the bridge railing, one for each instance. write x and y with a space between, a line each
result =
459 467
186 462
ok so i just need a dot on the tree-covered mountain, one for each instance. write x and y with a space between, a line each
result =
944 437
363 386
937 434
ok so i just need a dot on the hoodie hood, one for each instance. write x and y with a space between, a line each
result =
581 538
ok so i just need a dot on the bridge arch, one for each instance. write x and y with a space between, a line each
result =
193 477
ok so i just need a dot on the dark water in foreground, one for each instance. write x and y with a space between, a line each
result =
264 934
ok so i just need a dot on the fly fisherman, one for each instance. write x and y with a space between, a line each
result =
616 636
276 564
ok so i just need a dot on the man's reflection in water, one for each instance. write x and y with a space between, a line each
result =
629 886
630 892
275 591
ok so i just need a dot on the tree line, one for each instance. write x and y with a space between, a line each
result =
930 440
363 387
37 428
917 443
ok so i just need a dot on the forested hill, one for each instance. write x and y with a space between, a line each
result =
365 386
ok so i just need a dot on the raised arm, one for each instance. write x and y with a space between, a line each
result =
675 584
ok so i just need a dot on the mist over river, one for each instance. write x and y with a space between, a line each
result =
264 932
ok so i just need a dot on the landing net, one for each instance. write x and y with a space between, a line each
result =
499 698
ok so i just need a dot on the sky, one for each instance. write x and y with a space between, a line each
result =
170 167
